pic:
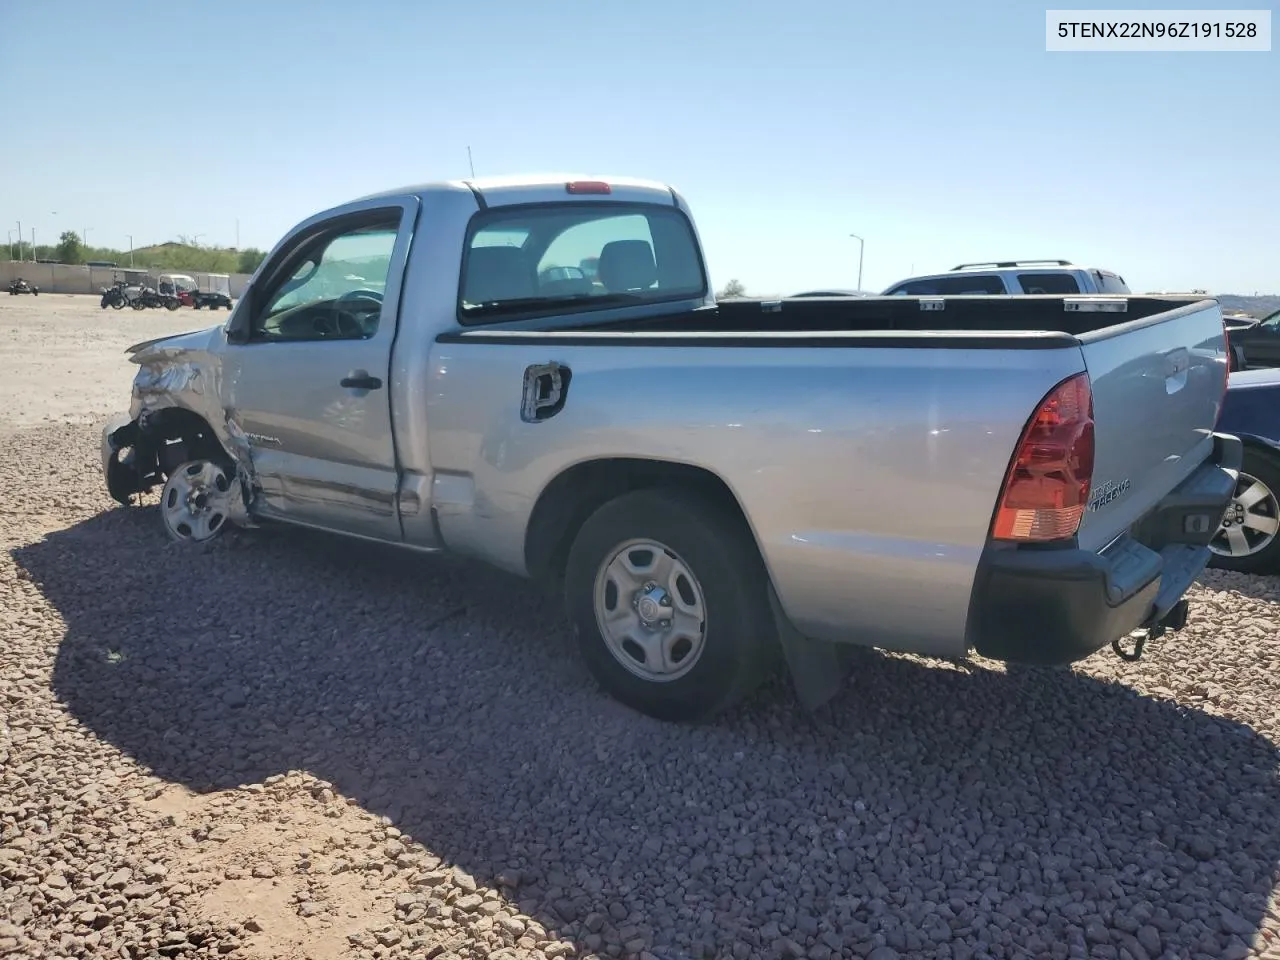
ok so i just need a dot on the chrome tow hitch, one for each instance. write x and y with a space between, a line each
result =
1175 619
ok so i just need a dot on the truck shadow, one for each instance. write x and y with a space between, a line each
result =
448 698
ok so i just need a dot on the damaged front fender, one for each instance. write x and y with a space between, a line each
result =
176 415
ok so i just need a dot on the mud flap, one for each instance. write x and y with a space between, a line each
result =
818 668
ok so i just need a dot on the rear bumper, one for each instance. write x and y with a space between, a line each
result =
1058 605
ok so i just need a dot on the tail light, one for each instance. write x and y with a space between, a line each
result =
1047 486
587 186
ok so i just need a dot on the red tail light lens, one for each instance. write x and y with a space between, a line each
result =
1047 487
587 186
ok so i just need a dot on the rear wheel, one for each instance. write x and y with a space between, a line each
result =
668 597
1249 538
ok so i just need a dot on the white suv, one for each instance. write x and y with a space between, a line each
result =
1014 278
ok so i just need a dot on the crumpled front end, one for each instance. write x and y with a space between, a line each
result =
176 415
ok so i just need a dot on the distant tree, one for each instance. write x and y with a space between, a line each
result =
68 249
250 260
733 288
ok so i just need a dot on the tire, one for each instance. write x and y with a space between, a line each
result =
117 304
711 556
1252 519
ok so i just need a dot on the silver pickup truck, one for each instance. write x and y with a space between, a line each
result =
536 373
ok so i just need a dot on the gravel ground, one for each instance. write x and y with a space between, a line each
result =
284 746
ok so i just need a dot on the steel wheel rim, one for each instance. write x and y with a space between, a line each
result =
194 502
1251 520
651 611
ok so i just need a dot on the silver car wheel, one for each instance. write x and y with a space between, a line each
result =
195 501
1251 520
650 610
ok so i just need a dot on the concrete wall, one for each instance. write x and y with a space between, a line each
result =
62 278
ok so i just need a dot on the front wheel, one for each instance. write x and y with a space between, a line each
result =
668 597
1249 538
195 502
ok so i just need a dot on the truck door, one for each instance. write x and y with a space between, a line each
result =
308 365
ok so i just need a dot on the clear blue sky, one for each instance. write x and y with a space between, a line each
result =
940 131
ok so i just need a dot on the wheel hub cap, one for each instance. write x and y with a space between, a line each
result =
650 610
1251 521
653 604
194 503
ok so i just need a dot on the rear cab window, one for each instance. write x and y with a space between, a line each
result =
571 257
1060 284
975 284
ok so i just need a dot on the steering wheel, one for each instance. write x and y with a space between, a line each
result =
336 323
351 305
354 296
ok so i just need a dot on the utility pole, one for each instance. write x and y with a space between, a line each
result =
84 238
19 240
33 244
861 244
130 236
471 164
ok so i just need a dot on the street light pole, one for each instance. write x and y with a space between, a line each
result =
130 236
861 244
19 240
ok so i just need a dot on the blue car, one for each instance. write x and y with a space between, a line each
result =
1249 538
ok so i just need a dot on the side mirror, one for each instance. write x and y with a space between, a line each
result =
238 323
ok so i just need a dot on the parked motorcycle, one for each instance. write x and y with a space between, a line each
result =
150 297
114 297
22 286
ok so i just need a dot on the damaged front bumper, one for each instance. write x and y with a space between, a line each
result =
122 466
137 457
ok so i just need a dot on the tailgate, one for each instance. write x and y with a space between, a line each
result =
1158 385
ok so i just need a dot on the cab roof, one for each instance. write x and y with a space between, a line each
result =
533 188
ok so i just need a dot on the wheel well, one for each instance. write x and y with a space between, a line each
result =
569 499
1256 445
177 435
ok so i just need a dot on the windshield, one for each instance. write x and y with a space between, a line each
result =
577 256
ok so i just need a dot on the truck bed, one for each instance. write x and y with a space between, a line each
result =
875 314
887 429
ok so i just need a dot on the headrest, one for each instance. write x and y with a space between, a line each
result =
627 265
497 273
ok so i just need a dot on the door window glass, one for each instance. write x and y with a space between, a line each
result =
335 290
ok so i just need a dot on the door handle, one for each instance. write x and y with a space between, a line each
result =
360 380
